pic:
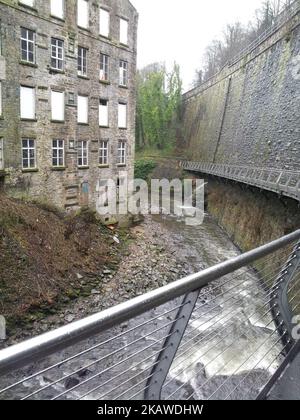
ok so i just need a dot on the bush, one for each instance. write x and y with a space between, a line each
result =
143 169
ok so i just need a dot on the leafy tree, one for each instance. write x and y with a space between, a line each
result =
158 100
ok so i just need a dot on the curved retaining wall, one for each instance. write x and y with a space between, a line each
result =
249 114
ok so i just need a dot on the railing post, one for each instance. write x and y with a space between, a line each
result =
170 346
280 298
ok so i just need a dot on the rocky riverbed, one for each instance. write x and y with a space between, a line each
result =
230 348
152 260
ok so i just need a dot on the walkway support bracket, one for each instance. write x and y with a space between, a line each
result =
280 298
170 346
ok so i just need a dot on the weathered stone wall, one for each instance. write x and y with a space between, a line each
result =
249 114
250 217
70 187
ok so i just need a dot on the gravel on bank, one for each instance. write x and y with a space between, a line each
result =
151 261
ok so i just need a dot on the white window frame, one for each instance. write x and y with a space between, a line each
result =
57 53
27 103
1 154
123 74
29 3
57 8
28 162
82 61
124 27
1 42
103 152
58 159
57 106
83 154
1 104
104 22
104 67
104 113
82 109
28 43
83 11
122 152
122 115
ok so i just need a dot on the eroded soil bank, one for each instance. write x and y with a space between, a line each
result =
251 217
46 284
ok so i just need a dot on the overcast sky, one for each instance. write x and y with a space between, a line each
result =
176 30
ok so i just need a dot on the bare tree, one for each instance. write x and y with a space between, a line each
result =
236 37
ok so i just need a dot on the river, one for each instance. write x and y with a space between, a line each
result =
229 350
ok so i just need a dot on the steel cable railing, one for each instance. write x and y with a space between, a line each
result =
122 358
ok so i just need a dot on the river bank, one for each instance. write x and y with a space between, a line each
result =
230 340
150 261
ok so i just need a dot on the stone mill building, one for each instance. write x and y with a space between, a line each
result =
67 97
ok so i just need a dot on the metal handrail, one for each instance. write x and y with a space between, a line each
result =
33 350
251 175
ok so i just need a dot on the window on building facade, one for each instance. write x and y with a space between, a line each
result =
27 2
104 23
83 153
123 31
57 8
28 154
82 109
1 99
58 153
82 61
104 67
27 103
57 106
57 54
27 45
103 113
1 40
103 152
123 73
122 153
83 13
71 98
1 154
122 115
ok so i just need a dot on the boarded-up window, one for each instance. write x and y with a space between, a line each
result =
83 13
122 116
57 8
104 20
124 31
1 154
82 109
57 106
27 2
103 113
1 98
27 103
